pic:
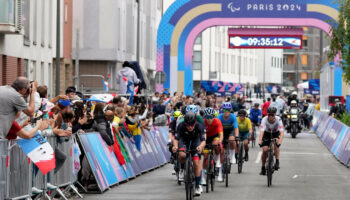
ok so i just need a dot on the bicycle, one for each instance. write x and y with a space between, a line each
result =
240 159
210 169
226 166
270 164
177 167
189 177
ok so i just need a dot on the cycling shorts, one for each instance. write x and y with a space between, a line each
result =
210 139
267 138
244 135
184 144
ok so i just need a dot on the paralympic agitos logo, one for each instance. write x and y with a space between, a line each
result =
232 8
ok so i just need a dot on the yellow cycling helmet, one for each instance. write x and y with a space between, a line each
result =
177 114
216 114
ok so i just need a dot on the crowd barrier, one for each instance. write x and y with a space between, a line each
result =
106 168
18 175
334 134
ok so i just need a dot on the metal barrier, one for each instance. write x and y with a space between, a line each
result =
3 168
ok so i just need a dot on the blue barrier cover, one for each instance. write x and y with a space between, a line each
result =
338 144
133 162
332 134
344 155
157 155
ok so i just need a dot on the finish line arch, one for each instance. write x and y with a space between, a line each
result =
186 19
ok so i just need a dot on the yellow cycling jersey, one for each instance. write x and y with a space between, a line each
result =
245 125
134 129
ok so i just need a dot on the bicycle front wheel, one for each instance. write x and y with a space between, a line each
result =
189 180
240 157
269 168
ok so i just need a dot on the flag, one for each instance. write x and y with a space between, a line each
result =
40 152
129 90
105 85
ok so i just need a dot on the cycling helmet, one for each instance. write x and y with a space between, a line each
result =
177 114
190 118
293 102
271 110
256 105
226 105
210 112
242 112
294 93
192 108
216 114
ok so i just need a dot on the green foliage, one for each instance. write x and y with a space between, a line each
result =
340 37
345 118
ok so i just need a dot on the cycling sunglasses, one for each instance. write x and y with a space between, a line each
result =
271 115
226 110
209 117
241 115
190 125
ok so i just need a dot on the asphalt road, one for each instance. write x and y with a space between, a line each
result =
308 171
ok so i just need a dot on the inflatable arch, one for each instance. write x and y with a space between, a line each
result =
186 19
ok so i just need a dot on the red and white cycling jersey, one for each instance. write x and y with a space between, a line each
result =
276 126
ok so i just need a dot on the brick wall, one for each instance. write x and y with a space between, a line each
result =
1 73
10 68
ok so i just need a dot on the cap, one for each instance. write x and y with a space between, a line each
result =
65 103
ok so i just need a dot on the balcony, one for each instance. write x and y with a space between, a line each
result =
11 16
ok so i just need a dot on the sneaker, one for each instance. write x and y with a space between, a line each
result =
246 157
36 190
233 159
173 172
198 191
220 179
50 186
181 175
200 188
277 165
263 171
204 179
218 164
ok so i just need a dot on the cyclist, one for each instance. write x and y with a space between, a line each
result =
172 130
190 134
245 130
214 133
194 109
230 126
255 115
270 125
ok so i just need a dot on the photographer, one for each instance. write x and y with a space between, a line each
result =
12 101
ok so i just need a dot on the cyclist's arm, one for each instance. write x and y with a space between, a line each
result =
250 127
281 129
220 130
262 131
235 126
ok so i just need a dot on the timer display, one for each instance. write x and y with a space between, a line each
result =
277 42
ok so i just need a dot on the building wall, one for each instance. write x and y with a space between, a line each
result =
108 32
36 48
273 59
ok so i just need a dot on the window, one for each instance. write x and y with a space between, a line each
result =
272 62
35 21
66 13
291 59
26 21
197 60
198 39
43 23
50 24
233 64
304 59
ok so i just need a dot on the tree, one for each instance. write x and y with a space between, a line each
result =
340 37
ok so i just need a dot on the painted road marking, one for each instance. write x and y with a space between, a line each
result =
258 158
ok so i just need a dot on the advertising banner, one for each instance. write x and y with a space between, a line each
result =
332 134
155 150
337 146
40 152
344 155
131 155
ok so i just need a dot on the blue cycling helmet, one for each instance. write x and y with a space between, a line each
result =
191 108
226 105
210 112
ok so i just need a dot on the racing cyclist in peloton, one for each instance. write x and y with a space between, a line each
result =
270 125
214 133
245 130
255 115
230 126
190 134
172 130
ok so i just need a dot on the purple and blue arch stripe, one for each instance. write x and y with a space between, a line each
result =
185 19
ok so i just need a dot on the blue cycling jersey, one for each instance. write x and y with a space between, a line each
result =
230 124
254 115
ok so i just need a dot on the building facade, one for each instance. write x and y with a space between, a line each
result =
213 60
29 47
106 33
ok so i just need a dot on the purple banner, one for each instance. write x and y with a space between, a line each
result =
154 148
332 134
344 156
133 162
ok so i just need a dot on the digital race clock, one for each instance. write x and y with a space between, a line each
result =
277 42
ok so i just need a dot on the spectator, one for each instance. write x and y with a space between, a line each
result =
265 106
71 93
12 101
337 110
129 74
102 122
310 113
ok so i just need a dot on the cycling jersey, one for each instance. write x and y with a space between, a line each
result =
183 133
230 124
276 126
254 115
214 128
172 126
244 125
